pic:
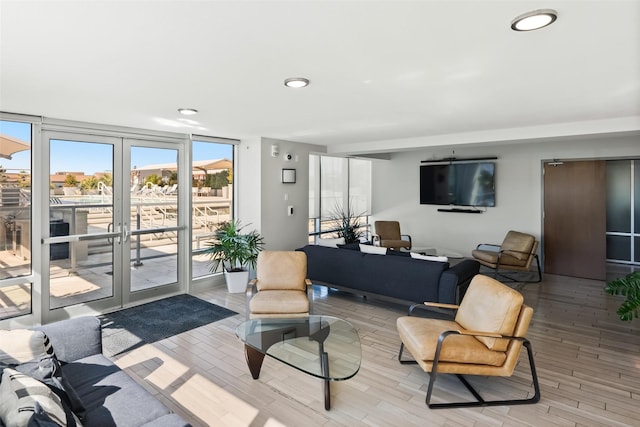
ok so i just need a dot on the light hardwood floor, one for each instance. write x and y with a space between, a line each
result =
588 363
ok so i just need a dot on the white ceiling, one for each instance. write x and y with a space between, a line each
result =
385 75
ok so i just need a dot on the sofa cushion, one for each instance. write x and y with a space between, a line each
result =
22 345
33 349
370 249
429 257
331 243
19 395
399 253
282 302
109 395
351 246
169 420
86 339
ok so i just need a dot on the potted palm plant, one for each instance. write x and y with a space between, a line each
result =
628 286
234 251
347 223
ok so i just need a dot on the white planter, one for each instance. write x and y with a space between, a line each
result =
236 281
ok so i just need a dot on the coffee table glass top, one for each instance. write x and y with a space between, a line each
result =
303 342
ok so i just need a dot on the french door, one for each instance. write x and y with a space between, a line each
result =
112 224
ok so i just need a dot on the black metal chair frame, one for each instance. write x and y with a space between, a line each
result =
479 400
511 279
376 237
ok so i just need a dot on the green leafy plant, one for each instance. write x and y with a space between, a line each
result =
89 183
107 179
217 180
70 181
347 224
232 248
629 286
153 179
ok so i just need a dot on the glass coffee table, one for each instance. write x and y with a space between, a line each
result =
322 346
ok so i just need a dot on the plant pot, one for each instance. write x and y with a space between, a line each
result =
236 281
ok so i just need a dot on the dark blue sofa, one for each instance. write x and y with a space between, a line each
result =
396 277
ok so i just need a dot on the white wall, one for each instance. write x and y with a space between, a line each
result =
396 189
263 198
247 183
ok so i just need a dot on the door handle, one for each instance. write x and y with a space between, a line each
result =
126 233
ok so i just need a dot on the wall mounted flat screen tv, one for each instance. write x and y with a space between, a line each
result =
460 184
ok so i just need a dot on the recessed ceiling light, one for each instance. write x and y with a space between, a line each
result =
187 111
296 82
534 20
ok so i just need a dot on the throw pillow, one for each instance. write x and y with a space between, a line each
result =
351 246
19 395
31 353
399 253
40 418
429 257
370 249
22 345
331 243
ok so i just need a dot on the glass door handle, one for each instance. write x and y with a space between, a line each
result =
78 237
126 233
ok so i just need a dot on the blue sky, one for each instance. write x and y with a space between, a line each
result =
91 158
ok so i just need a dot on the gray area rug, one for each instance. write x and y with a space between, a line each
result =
131 328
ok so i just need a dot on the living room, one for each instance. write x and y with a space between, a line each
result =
579 108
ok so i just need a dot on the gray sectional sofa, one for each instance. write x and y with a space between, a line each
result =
106 395
395 276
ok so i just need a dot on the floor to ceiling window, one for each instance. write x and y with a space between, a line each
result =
115 216
15 219
211 195
338 186
623 211
113 230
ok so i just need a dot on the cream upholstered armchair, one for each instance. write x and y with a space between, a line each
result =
387 234
516 253
485 338
281 288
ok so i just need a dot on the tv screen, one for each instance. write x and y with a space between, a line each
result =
461 184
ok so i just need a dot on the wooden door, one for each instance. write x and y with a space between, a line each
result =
575 219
